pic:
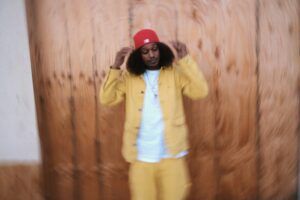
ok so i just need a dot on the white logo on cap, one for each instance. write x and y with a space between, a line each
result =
146 40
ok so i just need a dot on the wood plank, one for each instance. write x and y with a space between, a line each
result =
80 43
222 39
21 181
73 43
110 33
200 114
51 75
279 63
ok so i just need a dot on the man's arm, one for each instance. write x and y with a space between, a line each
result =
113 88
190 78
188 75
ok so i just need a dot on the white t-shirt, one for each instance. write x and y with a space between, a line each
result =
150 140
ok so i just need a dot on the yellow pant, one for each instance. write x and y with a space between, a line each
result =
166 180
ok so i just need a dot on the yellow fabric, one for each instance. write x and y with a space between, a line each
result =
183 78
165 180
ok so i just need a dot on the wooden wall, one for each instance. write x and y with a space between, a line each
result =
244 136
20 181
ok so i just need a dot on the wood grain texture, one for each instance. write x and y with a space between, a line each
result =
243 136
200 114
50 59
21 182
222 38
80 44
279 62
110 33
87 29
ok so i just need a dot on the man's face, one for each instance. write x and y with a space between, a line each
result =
150 55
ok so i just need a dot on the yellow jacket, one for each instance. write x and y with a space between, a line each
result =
183 78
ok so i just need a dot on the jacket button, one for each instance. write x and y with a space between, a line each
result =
140 109
142 92
137 127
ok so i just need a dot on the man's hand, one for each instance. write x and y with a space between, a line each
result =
120 57
180 49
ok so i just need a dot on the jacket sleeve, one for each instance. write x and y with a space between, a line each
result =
190 78
112 90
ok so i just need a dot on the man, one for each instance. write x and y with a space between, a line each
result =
155 132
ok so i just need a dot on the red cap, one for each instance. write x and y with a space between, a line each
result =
143 37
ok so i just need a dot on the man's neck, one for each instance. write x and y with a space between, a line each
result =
153 68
